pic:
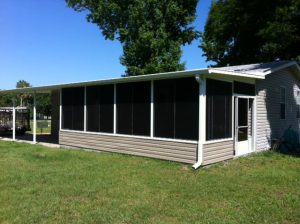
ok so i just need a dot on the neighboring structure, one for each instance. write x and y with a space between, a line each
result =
198 117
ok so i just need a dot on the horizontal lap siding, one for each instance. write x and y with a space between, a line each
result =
217 152
269 125
167 150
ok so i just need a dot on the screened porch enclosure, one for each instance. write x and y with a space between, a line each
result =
167 109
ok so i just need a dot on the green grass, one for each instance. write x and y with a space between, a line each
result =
40 130
41 185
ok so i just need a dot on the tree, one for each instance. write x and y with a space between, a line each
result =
44 106
43 100
24 97
6 100
240 32
150 31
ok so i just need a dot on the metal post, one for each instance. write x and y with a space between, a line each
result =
14 120
34 117
60 110
152 110
115 109
85 112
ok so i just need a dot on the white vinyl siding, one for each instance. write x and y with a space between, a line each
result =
269 125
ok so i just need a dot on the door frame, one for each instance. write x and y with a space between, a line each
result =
253 124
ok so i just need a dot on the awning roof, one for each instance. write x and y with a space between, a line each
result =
255 71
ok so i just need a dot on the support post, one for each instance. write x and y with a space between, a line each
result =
85 112
14 121
202 121
60 110
152 110
34 117
115 109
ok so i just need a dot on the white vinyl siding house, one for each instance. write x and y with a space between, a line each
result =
197 117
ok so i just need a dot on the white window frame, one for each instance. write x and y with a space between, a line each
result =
232 112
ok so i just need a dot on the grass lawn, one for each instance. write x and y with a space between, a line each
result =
41 129
41 185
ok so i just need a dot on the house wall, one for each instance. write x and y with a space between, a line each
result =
161 149
269 125
55 99
218 151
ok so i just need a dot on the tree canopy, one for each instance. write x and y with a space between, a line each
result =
150 31
25 99
240 32
43 100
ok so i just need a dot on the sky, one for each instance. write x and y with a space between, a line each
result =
45 42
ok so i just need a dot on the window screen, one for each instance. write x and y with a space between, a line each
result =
218 109
176 108
100 108
133 108
282 102
73 108
298 104
244 88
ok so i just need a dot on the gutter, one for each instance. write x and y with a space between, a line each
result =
201 126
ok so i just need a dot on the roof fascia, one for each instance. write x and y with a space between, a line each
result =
218 71
282 67
178 74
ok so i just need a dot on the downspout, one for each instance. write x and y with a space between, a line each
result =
201 122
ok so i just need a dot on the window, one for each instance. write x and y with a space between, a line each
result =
176 108
282 102
73 108
298 104
100 108
244 88
218 109
133 108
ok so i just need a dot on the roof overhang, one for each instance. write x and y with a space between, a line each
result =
157 76
219 71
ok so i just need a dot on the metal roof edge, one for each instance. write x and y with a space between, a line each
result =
164 75
219 71
291 63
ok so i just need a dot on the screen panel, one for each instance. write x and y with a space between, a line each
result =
141 108
218 109
244 88
78 109
164 108
73 108
124 108
106 102
186 108
92 108
67 109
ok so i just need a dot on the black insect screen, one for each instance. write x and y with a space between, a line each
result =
92 109
218 109
124 109
244 88
73 108
133 108
141 108
164 108
107 108
186 109
176 108
100 108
